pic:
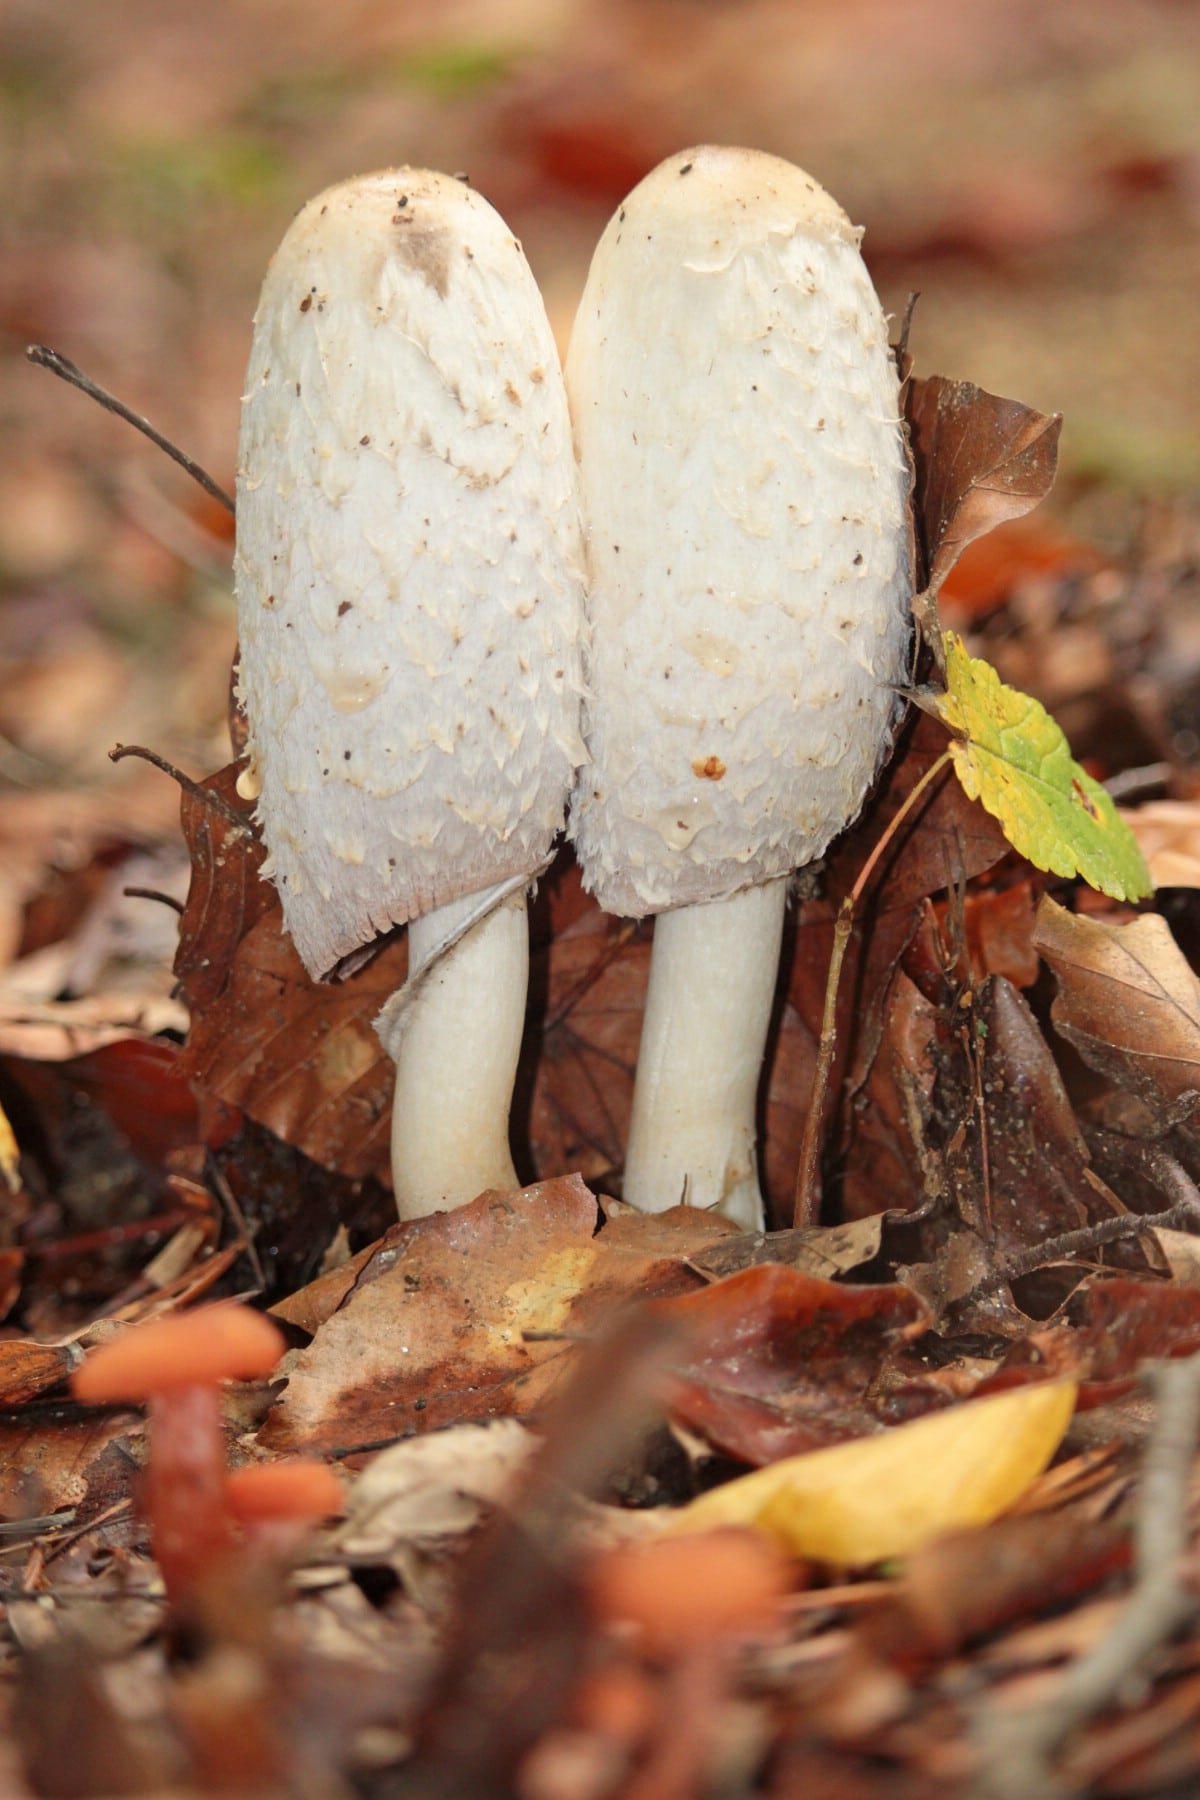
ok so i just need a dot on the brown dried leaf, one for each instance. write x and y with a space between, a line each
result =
227 895
1111 1326
1021 1177
301 1057
970 1583
979 460
579 1072
787 1362
432 1330
1127 1000
49 1464
822 1250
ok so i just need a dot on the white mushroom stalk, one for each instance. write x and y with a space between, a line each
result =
735 408
409 584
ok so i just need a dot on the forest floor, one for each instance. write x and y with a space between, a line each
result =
512 1599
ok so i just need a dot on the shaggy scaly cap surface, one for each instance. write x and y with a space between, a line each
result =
409 563
745 489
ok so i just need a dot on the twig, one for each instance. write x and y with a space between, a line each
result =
808 1195
1016 1751
241 1224
204 795
1087 1238
144 893
66 370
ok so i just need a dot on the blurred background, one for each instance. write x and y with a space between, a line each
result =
1032 169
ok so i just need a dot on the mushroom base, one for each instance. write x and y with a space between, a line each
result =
708 1010
455 1038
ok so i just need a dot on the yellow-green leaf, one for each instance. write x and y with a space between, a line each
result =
1010 755
886 1496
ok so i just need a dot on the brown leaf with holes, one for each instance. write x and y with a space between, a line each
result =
1127 999
979 460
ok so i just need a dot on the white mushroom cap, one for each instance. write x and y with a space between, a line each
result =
409 562
745 488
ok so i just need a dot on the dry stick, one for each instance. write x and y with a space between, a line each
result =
1184 1212
1015 1750
204 795
1081 1243
145 893
808 1196
66 370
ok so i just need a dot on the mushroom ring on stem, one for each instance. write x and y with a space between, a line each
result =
409 584
745 487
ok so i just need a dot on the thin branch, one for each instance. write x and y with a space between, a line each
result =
1082 1242
204 795
241 1224
66 370
144 893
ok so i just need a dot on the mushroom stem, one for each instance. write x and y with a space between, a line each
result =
708 1010
456 1042
184 1497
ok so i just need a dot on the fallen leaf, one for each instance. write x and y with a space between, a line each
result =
1127 999
436 1486
1009 754
1168 833
979 460
473 1313
1017 1159
822 1250
892 1494
1109 1327
301 1057
968 1584
432 1331
227 894
783 1361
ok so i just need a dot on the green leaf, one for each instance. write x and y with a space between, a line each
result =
1009 754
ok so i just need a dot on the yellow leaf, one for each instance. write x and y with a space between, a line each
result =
886 1496
1011 756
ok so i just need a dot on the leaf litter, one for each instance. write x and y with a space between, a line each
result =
524 1390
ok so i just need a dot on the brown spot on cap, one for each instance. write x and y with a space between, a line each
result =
708 768
426 248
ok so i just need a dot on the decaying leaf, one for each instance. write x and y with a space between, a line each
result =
436 1486
1009 753
823 1250
783 1361
891 1494
979 460
432 1331
1127 999
227 894
1110 1326
1168 832
469 1314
